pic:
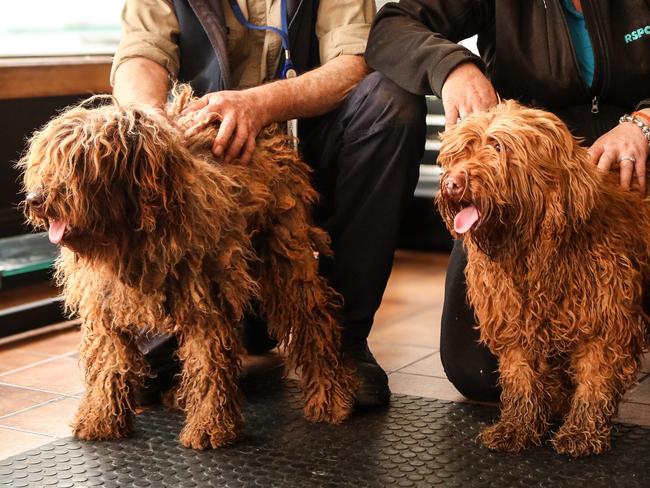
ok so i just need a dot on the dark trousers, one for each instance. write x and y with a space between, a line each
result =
469 365
365 156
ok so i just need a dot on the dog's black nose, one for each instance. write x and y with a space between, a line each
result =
34 199
454 185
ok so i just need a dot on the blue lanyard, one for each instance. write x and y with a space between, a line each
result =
288 70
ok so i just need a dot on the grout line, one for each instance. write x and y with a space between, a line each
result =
417 361
424 375
27 409
30 432
40 390
40 333
38 363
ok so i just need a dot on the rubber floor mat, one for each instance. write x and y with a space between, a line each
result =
415 442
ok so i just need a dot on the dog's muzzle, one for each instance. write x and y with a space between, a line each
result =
34 202
454 185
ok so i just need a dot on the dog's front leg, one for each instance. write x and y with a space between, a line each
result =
113 366
524 405
601 375
208 392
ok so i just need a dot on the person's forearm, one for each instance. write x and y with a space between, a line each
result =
141 80
314 93
414 42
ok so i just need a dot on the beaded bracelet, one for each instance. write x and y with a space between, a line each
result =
645 116
640 123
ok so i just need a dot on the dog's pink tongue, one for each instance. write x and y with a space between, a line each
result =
57 229
465 219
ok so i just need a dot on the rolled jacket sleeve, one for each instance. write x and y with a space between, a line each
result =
149 30
342 27
414 42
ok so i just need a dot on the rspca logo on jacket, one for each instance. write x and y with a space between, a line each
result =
637 34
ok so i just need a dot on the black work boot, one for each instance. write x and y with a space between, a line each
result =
159 352
373 390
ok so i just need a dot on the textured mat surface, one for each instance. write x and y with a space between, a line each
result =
416 442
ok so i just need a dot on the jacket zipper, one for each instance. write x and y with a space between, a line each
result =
591 11
594 105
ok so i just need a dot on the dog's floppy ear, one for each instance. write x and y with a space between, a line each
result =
553 227
575 180
156 164
579 185
154 159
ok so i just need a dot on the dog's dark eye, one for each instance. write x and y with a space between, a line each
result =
496 146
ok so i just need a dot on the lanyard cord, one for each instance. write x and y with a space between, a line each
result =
283 32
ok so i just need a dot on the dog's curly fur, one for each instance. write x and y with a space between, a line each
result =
557 261
160 237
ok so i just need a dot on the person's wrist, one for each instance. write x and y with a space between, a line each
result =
643 115
263 106
640 121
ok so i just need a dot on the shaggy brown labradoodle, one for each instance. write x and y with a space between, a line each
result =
557 258
158 236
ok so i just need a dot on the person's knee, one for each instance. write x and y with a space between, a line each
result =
384 103
475 379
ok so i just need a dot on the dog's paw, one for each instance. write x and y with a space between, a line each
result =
92 428
201 438
334 407
508 437
579 442
331 414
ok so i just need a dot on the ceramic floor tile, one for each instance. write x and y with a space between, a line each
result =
424 386
394 310
13 442
13 398
60 375
640 393
634 413
392 357
645 363
55 343
428 366
52 419
13 358
422 329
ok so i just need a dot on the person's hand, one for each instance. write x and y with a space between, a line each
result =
241 118
626 148
466 91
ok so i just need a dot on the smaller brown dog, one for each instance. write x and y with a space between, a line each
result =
158 236
557 258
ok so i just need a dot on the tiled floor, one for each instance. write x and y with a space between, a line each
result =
40 380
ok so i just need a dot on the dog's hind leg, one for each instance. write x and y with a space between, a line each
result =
601 372
210 352
525 405
300 308
113 366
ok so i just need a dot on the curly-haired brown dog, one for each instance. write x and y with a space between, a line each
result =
557 256
157 236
